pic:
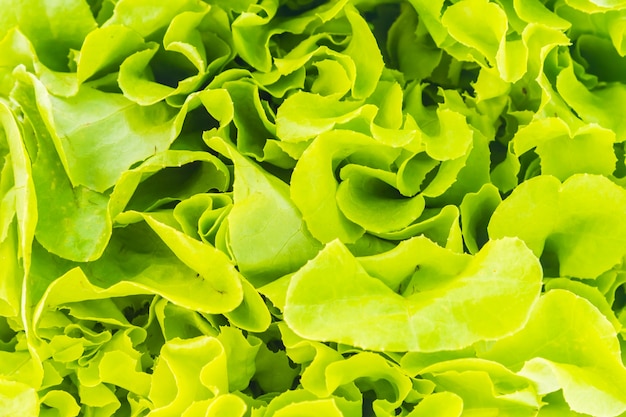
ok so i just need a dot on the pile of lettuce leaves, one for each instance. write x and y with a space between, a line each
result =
291 208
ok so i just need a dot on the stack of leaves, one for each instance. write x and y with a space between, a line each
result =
291 208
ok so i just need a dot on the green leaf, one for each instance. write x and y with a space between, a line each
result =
17 400
274 372
146 18
188 371
597 6
583 358
303 403
592 294
578 222
564 153
252 314
535 11
128 267
104 49
98 399
18 203
439 225
250 118
452 139
203 214
599 106
53 27
168 176
18 50
241 354
314 187
62 401
229 404
367 197
503 281
440 404
74 223
414 265
484 385
460 20
116 122
218 284
370 371
266 231
369 65
408 32
305 115
476 210
176 321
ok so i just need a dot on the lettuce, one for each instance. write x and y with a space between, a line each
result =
335 208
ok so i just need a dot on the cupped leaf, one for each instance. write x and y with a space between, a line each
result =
267 234
104 49
590 293
230 404
371 371
601 105
408 32
413 172
188 371
18 50
61 401
369 65
476 210
254 127
365 197
578 222
439 225
196 42
332 79
240 353
252 314
137 81
452 139
536 11
460 20
314 186
168 176
202 214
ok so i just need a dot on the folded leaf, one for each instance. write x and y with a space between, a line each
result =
267 234
578 222
314 187
583 358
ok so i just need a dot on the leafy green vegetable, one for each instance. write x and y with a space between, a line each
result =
297 208
502 281
574 225
581 369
